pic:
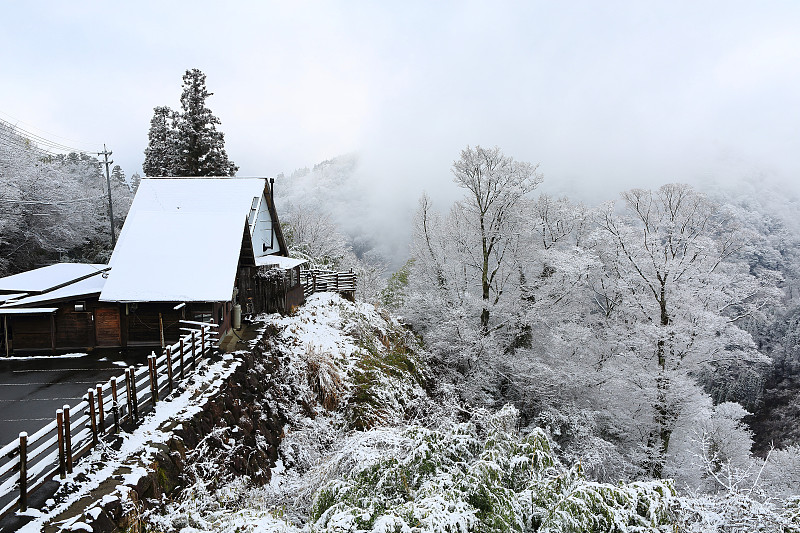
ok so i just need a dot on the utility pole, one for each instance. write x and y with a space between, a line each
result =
105 153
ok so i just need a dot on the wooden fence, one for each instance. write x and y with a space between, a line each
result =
317 280
29 462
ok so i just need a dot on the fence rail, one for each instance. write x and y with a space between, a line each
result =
317 280
29 462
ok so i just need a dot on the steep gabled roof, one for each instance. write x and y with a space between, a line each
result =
182 240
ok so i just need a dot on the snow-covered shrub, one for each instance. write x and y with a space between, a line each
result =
781 473
324 377
736 512
479 476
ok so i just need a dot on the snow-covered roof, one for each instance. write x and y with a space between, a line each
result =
13 296
27 310
85 287
181 240
176 257
279 261
48 278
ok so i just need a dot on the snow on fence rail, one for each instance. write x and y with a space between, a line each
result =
317 280
29 462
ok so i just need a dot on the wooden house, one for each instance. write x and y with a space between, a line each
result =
198 249
189 250
53 308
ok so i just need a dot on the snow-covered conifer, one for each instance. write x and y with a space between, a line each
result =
160 154
200 147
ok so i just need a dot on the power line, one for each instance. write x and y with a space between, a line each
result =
20 136
12 141
50 134
54 202
15 130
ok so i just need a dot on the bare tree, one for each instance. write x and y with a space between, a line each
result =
670 258
487 217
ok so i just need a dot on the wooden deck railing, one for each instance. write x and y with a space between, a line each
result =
317 280
29 462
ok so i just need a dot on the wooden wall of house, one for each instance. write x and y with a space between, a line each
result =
93 324
30 332
269 291
108 325
223 317
74 329
294 297
142 327
250 296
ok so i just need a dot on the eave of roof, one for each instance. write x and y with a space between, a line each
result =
27 310
49 278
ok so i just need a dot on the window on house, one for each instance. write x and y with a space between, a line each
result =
201 317
80 306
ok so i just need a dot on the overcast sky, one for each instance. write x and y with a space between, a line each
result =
605 95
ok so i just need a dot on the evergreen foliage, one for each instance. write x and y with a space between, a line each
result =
159 156
133 185
482 476
187 143
394 295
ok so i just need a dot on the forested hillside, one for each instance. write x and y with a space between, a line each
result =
570 283
375 440
629 366
54 207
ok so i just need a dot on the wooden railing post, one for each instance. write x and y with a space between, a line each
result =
152 373
194 351
62 458
169 367
203 340
92 415
132 391
67 439
115 404
155 377
128 398
313 282
182 349
23 471
101 416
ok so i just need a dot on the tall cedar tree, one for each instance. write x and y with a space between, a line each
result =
187 143
159 156
201 148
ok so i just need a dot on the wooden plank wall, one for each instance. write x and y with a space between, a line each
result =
74 329
108 326
30 332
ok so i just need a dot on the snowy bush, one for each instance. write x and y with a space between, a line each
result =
480 476
324 377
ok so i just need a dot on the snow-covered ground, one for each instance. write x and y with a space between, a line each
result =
371 445
328 347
